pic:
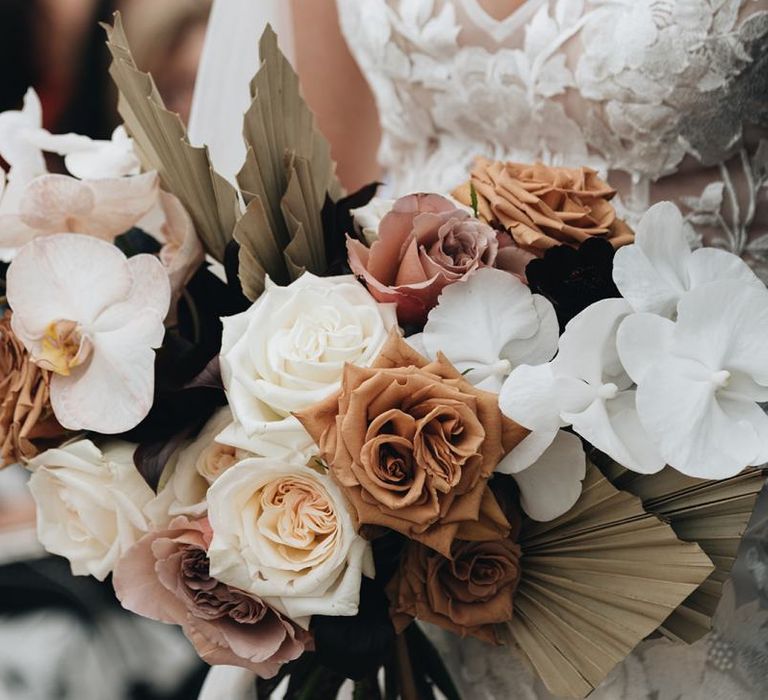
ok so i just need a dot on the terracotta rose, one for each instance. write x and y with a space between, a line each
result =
543 206
26 416
424 244
165 576
413 444
469 594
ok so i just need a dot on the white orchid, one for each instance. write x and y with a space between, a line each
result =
23 141
91 159
585 386
17 127
659 268
92 317
487 325
699 379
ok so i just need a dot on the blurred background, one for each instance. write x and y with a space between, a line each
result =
65 637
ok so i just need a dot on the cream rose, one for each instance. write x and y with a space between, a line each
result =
89 504
191 470
285 534
288 352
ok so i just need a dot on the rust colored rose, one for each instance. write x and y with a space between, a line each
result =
26 417
425 243
413 444
543 206
469 594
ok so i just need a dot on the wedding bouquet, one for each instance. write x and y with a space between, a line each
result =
294 422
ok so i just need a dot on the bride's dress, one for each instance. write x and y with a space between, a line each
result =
669 98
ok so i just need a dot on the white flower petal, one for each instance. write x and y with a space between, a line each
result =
651 274
151 290
66 276
528 397
527 451
725 325
587 348
16 149
679 408
540 347
707 265
550 487
113 391
476 318
643 340
613 427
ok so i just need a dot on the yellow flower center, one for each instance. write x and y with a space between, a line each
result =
63 347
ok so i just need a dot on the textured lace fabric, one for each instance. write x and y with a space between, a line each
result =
668 98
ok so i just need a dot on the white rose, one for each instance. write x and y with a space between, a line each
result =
285 533
191 470
367 218
288 352
89 504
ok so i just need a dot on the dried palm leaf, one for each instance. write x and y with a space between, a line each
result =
289 170
714 514
595 583
162 142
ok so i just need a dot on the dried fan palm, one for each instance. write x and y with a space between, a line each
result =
162 142
714 514
596 582
288 171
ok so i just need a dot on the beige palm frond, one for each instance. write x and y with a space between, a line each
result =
595 583
288 168
714 514
162 141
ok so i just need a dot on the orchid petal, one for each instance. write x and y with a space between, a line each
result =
707 265
695 432
614 428
550 487
150 291
528 397
46 281
113 391
725 325
643 340
25 159
588 346
651 273
489 323
526 452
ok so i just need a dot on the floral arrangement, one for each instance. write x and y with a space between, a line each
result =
501 412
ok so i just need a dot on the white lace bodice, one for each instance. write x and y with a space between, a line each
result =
667 97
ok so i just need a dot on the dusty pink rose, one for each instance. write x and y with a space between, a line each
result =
425 243
164 576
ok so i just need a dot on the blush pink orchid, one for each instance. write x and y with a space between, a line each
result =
92 317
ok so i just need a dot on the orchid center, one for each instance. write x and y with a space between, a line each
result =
64 346
721 379
608 391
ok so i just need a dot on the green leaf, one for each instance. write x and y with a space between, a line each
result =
473 198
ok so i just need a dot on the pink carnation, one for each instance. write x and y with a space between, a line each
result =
165 576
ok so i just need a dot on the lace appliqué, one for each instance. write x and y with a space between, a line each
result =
622 85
